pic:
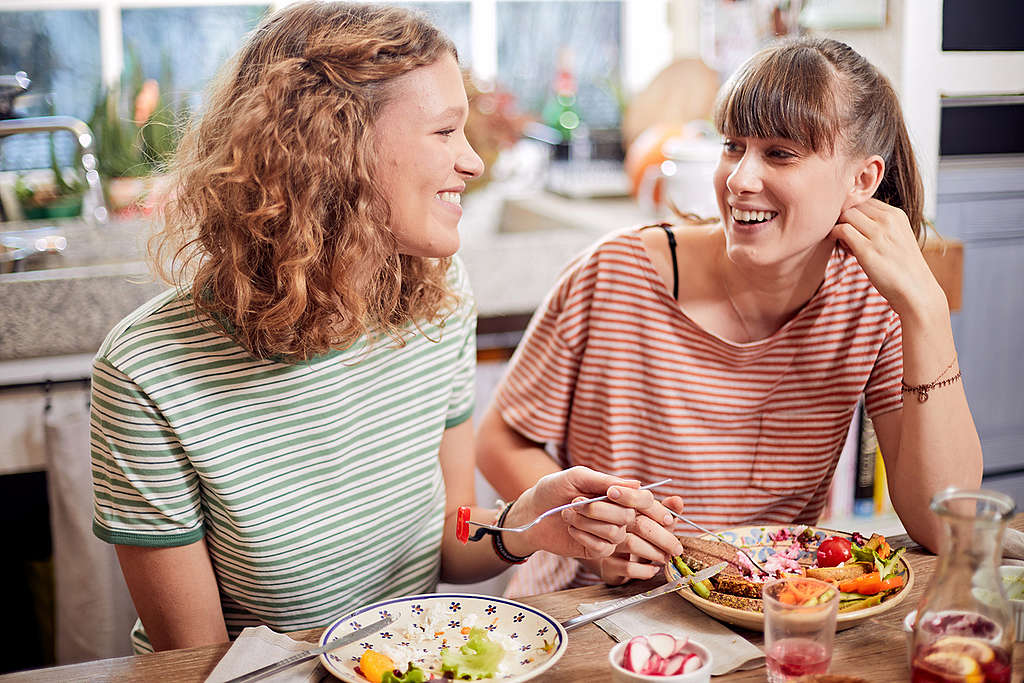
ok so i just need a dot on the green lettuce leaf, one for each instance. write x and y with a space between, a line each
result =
478 658
413 674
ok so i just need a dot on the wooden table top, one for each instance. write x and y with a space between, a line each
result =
874 650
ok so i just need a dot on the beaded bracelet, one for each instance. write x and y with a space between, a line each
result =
499 545
922 389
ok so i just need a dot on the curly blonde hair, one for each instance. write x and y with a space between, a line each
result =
274 221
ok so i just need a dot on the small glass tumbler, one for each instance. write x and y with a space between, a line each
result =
799 626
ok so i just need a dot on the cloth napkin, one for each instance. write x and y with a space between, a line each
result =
258 646
1013 547
670 614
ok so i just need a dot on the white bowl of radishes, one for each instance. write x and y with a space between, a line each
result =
660 657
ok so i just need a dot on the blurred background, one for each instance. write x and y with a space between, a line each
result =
591 115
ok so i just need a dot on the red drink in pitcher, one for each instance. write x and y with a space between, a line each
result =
791 657
960 659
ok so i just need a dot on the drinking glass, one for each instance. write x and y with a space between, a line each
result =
798 636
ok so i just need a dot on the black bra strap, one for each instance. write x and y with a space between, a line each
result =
675 265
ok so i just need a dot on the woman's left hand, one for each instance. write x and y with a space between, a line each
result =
880 238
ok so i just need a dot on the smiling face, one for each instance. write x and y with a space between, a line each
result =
778 199
423 158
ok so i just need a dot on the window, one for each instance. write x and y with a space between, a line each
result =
69 52
184 47
59 50
531 37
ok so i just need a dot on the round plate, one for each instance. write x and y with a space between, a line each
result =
756 540
424 624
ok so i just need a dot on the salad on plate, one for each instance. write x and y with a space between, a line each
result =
447 637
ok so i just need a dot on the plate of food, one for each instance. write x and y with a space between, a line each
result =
465 635
872 577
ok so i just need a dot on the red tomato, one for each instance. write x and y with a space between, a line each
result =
833 552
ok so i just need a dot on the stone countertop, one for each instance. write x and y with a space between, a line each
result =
514 248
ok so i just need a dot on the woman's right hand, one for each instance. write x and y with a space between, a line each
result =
648 545
591 531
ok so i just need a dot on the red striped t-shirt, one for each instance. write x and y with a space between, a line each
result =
617 377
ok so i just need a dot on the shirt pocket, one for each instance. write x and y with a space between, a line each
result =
796 450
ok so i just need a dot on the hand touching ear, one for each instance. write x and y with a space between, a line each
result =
880 238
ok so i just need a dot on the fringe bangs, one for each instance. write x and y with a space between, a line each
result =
783 94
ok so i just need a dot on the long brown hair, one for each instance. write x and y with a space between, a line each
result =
820 92
274 218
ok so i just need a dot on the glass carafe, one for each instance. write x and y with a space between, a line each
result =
964 630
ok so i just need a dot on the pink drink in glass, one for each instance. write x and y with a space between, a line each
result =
796 657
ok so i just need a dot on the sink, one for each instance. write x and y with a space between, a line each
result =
65 302
45 245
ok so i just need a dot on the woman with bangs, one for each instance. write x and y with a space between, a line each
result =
732 356
285 435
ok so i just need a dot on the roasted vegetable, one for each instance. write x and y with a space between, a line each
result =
374 665
701 588
859 603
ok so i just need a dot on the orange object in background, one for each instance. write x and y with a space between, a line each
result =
647 151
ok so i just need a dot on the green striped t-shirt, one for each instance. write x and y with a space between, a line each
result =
316 485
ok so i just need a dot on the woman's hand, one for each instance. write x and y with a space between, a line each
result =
880 238
591 531
648 545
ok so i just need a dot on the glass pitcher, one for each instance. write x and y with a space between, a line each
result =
964 630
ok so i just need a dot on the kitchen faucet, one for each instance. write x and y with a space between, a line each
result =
94 207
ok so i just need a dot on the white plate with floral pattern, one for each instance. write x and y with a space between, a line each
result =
426 624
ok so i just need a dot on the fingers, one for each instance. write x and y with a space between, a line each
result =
603 520
859 221
619 568
653 522
592 483
853 238
590 546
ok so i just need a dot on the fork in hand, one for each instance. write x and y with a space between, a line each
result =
463 521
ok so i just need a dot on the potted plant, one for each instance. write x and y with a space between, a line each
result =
131 148
56 196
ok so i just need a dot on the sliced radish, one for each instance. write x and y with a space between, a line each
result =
681 643
662 644
692 663
655 665
637 653
674 664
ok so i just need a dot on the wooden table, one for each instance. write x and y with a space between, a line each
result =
875 650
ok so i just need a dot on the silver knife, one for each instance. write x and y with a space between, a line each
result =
618 605
300 657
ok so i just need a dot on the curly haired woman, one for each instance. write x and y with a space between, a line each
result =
285 435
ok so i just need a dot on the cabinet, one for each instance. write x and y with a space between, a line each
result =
981 201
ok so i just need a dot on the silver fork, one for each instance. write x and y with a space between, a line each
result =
719 537
567 506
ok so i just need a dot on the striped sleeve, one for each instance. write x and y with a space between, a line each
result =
460 407
146 492
535 395
882 392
